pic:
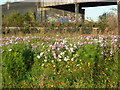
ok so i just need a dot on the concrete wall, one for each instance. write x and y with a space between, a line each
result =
22 7
42 14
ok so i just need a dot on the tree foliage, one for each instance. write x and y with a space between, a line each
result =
18 19
103 21
108 20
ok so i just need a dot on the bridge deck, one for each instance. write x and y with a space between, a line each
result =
45 3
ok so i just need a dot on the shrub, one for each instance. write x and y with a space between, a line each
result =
17 61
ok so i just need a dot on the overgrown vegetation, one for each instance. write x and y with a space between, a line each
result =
58 62
16 19
107 23
58 56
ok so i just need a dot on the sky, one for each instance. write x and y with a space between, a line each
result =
91 13
95 12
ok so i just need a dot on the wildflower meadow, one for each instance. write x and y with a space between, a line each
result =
84 61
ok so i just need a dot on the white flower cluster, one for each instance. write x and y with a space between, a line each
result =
41 54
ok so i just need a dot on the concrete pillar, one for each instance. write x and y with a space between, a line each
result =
76 12
41 12
45 15
79 13
44 12
82 15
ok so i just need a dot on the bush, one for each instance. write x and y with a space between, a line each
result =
17 61
14 19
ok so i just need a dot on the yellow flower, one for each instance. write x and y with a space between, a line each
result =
111 86
24 82
109 58
9 76
68 62
104 73
51 85
58 73
74 70
64 83
15 53
33 79
108 80
106 68
47 64
88 64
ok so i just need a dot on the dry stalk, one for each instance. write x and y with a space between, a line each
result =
42 78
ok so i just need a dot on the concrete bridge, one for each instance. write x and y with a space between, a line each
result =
83 3
74 6
45 8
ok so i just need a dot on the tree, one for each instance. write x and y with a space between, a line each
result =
103 21
108 21
30 17
14 19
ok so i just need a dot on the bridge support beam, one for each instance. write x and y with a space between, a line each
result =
79 13
76 8
82 15
76 12
41 12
